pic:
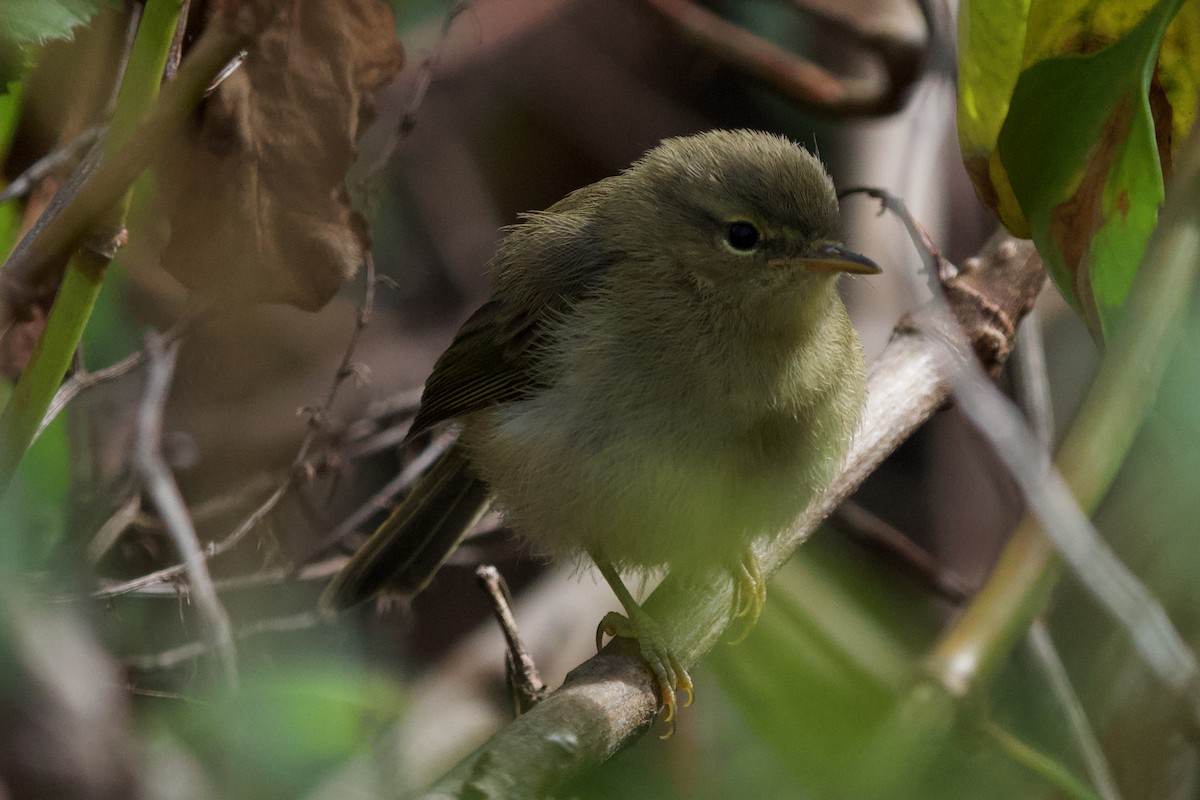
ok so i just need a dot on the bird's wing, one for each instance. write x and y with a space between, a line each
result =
493 358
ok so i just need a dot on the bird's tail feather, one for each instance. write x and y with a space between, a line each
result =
403 554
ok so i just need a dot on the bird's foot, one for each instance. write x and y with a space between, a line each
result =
669 674
749 595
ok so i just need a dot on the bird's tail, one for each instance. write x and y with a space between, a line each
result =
403 554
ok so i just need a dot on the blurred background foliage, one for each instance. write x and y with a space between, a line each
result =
110 689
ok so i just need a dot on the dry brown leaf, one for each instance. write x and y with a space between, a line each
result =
255 195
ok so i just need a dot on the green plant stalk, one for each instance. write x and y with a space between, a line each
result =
52 356
922 723
85 271
9 219
1098 441
1040 763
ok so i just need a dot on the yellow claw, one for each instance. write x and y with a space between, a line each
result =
669 674
750 595
602 630
684 684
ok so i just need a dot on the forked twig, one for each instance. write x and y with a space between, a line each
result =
527 684
301 468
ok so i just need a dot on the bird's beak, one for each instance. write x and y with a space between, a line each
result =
831 258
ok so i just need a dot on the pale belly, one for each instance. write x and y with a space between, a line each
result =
694 499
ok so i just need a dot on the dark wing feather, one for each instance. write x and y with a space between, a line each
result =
493 359
489 362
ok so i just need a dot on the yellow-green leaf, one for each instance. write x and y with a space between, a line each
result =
1073 152
991 37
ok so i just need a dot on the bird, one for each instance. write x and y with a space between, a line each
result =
663 374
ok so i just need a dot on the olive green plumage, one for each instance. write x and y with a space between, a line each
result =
663 373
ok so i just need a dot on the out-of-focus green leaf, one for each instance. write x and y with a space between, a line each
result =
1075 156
10 214
10 109
824 664
991 37
33 512
40 20
285 729
111 335
1091 184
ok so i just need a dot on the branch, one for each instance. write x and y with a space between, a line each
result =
90 228
161 486
40 256
1090 751
610 699
300 465
24 183
382 500
1124 388
893 60
190 651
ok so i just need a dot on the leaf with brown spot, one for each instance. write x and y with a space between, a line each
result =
1072 148
255 195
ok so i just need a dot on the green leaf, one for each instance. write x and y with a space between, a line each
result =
991 37
10 108
40 20
1080 151
1073 152
286 728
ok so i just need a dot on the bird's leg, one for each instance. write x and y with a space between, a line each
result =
669 674
749 595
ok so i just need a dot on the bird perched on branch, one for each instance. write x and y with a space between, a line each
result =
663 374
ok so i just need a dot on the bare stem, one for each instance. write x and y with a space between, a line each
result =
165 494
87 231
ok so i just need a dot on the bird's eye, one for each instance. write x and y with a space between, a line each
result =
742 237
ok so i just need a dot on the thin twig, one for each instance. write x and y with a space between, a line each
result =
113 527
408 120
404 402
382 500
1090 750
938 269
82 380
1039 763
176 51
190 651
79 381
211 550
273 576
528 687
870 530
1033 379
300 465
383 439
165 494
1034 384
219 505
23 183
231 67
162 695
1062 519
40 257
367 434
317 417
425 73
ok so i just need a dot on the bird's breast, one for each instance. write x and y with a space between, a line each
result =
679 451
